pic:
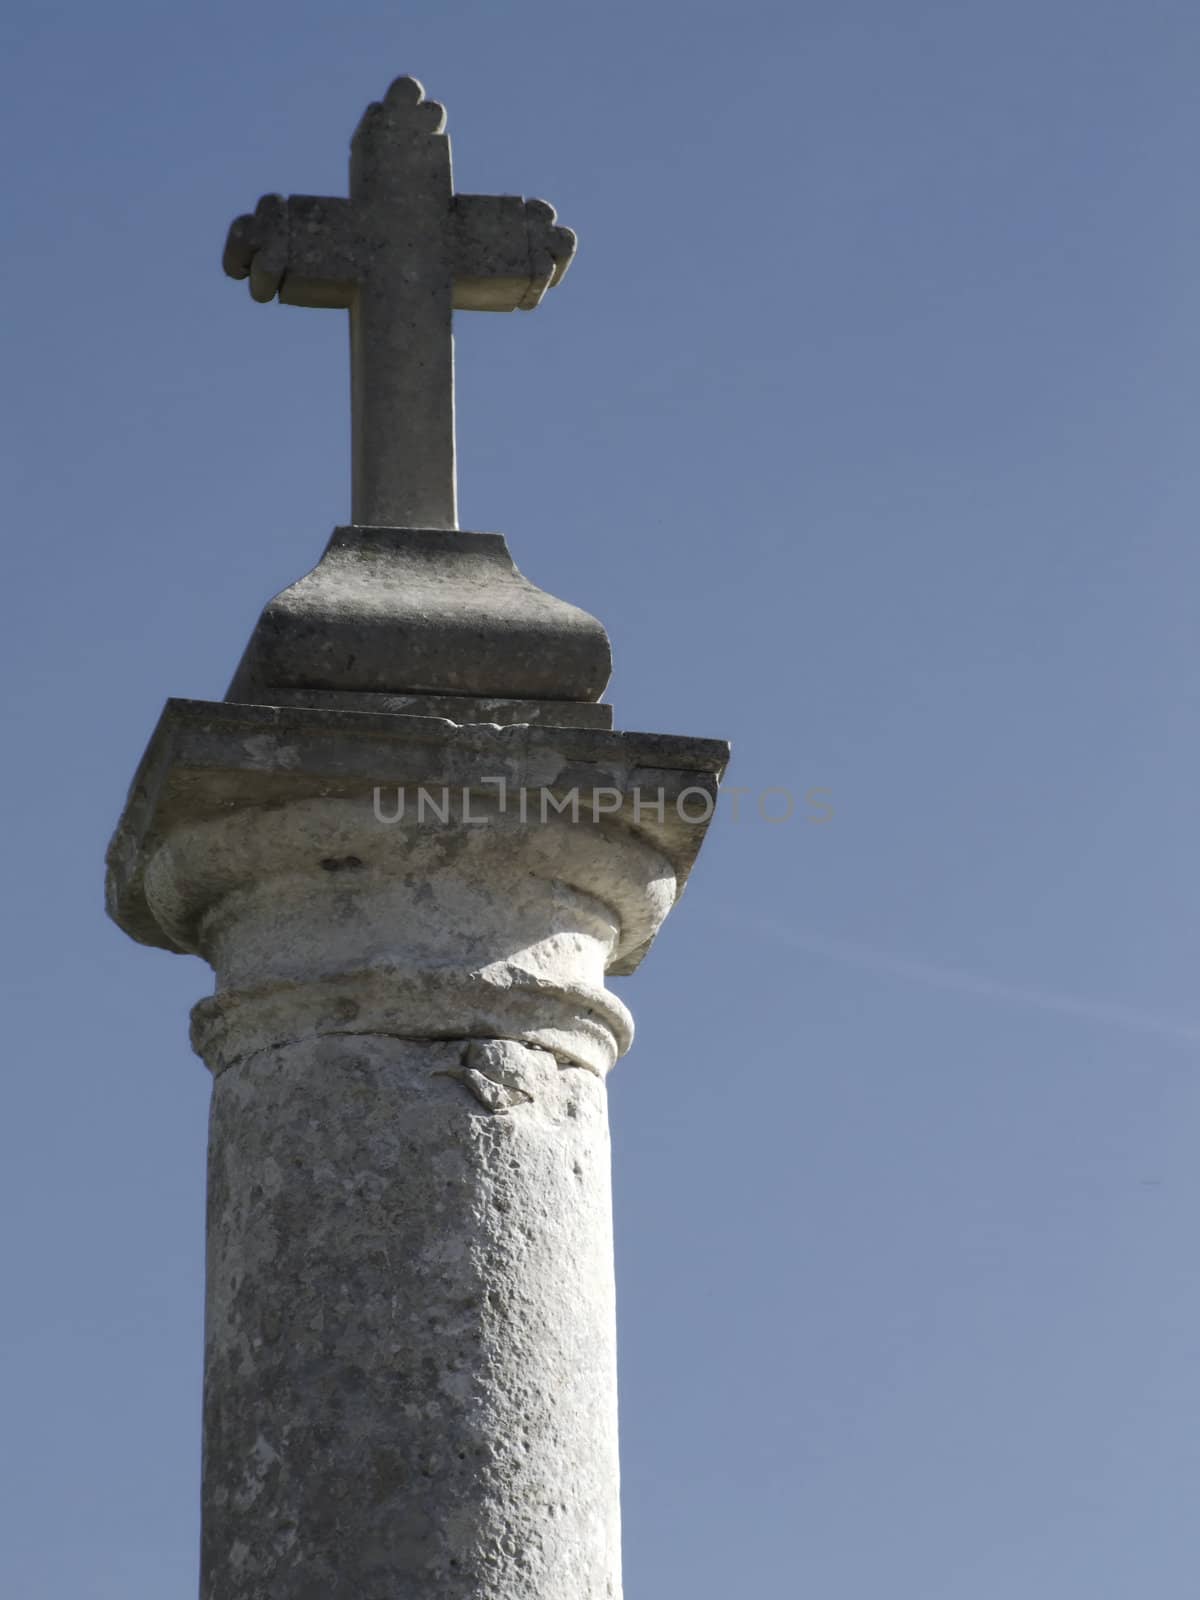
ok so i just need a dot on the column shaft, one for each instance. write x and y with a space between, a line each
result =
410 1382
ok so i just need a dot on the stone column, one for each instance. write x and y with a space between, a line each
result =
410 1381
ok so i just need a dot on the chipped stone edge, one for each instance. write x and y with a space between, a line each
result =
207 758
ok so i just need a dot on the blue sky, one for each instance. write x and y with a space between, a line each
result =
865 421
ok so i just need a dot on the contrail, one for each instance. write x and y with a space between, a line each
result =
863 955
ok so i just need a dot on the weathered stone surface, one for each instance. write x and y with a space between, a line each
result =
207 759
410 1367
400 254
316 916
460 708
418 611
410 1353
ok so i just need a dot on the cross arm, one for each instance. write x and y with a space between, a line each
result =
506 251
302 248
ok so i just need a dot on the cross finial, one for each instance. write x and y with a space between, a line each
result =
400 255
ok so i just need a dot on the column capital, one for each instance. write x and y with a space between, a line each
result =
357 873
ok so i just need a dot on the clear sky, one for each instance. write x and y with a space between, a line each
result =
866 422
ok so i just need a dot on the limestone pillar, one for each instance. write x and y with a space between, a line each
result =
410 1379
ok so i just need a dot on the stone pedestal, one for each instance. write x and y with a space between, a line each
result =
410 1352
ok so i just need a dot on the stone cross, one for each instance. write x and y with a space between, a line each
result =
400 255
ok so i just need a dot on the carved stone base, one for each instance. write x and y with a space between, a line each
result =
404 611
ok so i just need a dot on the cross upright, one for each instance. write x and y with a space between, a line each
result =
401 254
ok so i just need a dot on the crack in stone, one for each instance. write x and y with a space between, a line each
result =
487 1068
492 1075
